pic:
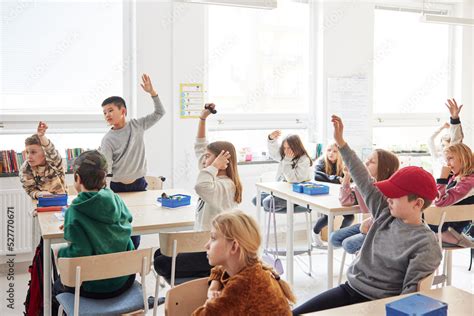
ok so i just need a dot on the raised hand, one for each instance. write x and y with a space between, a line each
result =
445 125
41 130
207 110
346 179
338 130
222 161
147 85
274 135
453 108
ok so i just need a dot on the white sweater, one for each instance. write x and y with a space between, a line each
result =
216 192
302 171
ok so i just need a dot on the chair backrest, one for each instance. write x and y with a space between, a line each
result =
107 266
154 183
267 176
185 298
186 241
425 283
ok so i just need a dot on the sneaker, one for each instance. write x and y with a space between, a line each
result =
463 240
151 301
318 242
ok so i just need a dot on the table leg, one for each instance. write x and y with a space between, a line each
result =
330 250
47 276
289 241
259 206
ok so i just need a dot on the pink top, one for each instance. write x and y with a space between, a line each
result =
348 196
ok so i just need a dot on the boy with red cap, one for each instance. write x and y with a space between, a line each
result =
399 249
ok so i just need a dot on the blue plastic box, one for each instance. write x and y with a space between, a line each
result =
52 200
416 305
298 187
315 188
175 200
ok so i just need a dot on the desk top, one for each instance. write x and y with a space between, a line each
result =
328 202
459 303
148 215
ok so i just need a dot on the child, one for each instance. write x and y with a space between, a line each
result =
381 164
219 189
455 136
97 222
240 283
455 187
295 165
123 145
399 249
329 168
42 173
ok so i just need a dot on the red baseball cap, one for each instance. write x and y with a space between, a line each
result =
409 180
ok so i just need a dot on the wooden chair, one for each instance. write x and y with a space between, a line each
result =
425 283
184 299
74 271
173 243
439 216
155 183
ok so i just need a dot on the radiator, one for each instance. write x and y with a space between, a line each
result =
17 227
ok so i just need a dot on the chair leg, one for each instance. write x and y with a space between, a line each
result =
308 238
341 269
157 292
449 270
60 310
472 255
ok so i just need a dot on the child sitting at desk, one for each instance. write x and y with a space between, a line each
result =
97 222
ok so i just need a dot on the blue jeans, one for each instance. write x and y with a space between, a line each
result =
350 238
138 185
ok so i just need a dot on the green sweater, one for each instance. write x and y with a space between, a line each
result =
97 223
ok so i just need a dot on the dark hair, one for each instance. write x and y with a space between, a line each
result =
32 140
91 166
296 145
117 101
426 202
388 163
232 171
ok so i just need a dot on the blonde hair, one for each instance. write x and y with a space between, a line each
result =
238 226
328 169
465 155
232 171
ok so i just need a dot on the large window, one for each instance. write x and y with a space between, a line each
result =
60 57
259 59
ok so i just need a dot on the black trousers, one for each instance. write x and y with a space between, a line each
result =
188 265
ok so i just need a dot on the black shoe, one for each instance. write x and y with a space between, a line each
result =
151 301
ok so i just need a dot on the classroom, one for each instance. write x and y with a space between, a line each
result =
236 157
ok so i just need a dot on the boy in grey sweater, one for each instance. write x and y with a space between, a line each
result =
399 249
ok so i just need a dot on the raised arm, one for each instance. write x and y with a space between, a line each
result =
149 120
431 140
455 131
273 145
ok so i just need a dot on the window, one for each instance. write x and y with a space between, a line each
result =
60 57
258 60
411 63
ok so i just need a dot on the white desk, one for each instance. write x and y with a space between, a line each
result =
460 303
148 218
327 204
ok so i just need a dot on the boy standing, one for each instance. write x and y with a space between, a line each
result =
399 249
123 145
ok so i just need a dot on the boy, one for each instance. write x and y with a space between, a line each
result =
399 249
42 173
123 145
97 222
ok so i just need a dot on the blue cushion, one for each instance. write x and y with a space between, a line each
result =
129 301
297 209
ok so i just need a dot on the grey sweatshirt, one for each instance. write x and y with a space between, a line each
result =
216 193
124 148
395 255
301 172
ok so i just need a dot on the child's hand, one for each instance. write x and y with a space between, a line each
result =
44 193
214 290
453 108
206 112
346 179
61 227
222 161
445 171
147 86
274 135
41 130
289 153
445 125
338 130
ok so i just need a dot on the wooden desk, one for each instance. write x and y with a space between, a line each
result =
148 218
460 303
327 204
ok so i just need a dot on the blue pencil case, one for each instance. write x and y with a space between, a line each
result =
175 200
298 187
315 189
52 200
416 304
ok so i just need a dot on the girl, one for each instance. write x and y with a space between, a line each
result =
219 189
329 168
240 283
455 187
295 165
381 164
42 173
